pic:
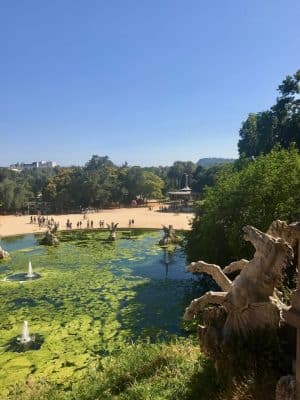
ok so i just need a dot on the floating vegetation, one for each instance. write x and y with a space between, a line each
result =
15 345
93 299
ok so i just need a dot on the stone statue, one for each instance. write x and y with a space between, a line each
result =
251 300
50 238
3 254
286 388
112 231
169 236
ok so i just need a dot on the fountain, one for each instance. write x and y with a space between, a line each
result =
26 342
25 338
112 231
170 236
30 274
21 277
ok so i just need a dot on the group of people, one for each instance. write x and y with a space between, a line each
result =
43 221
163 208
89 224
50 223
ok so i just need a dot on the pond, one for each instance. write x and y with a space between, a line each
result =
93 298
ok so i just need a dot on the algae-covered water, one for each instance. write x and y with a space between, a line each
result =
93 298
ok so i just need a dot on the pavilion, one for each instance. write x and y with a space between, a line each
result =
181 199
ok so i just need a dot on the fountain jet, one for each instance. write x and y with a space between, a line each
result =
30 274
25 338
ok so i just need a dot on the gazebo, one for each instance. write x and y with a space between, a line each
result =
180 199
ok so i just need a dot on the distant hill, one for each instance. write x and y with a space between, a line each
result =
210 162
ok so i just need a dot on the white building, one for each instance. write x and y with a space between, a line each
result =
33 165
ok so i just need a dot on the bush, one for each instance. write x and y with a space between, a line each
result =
253 192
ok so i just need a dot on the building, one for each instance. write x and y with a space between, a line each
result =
181 199
33 165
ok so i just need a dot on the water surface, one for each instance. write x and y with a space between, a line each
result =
93 298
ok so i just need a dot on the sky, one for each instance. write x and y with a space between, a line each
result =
147 82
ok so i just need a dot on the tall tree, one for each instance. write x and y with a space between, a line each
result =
279 125
264 189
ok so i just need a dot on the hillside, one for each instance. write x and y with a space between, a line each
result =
210 161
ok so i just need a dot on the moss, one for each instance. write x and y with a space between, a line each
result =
93 298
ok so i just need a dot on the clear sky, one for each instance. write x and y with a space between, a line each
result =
148 82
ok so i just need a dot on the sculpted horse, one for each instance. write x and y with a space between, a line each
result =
251 300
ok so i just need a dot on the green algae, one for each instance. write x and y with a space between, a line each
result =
93 298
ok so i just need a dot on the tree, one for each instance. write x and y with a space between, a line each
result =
264 189
279 125
152 186
14 195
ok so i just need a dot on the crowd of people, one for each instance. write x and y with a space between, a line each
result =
43 221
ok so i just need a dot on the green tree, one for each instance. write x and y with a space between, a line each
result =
14 195
279 125
264 189
152 186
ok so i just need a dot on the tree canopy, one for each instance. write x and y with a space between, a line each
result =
252 192
279 125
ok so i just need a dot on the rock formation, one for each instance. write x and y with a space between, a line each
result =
112 231
169 236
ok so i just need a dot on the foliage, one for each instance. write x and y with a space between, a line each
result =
98 184
142 371
203 177
279 125
251 192
93 298
14 195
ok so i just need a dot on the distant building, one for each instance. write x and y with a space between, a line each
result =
33 165
181 199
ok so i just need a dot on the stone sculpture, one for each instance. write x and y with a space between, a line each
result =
112 231
50 238
286 388
3 253
170 236
251 300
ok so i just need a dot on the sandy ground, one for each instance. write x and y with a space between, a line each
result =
11 225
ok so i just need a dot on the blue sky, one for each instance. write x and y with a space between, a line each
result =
148 82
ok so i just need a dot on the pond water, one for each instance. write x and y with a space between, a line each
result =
93 298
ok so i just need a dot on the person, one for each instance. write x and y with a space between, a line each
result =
129 223
88 224
77 225
132 221
80 223
92 224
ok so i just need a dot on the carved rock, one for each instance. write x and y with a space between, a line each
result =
251 300
50 239
112 231
170 236
286 388
3 254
